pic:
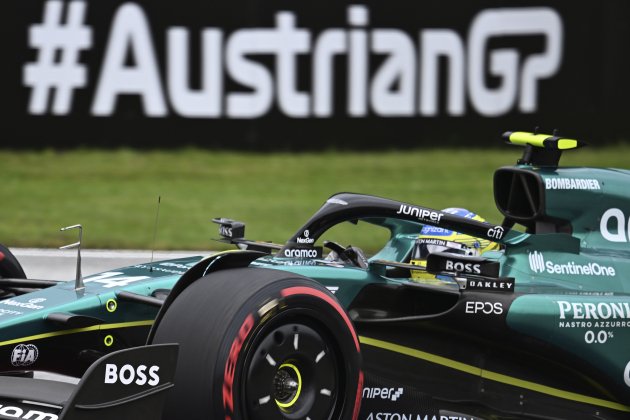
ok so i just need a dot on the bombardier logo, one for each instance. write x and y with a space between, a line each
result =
538 264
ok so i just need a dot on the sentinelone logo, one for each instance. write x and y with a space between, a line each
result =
389 72
538 264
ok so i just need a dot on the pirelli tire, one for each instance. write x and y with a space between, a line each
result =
9 265
261 344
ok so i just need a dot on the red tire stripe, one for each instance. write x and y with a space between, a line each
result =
303 290
357 400
1 256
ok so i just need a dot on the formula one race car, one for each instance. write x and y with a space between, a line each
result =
537 328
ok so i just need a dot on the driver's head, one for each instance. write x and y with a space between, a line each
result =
435 239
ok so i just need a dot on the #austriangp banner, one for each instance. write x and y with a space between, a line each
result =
279 74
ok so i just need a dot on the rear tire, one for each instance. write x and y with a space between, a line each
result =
259 344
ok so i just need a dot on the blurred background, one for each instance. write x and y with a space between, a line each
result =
260 110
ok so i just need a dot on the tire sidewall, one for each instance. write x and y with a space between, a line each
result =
269 307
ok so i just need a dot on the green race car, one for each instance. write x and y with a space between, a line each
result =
538 327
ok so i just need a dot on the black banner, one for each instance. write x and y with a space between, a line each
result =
280 74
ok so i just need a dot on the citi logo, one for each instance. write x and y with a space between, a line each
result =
536 262
496 232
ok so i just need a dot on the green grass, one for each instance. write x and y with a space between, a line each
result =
114 193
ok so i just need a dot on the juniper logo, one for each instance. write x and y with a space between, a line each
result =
536 262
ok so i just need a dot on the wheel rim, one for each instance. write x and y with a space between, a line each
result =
292 372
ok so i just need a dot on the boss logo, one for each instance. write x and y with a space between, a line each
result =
461 267
486 308
126 375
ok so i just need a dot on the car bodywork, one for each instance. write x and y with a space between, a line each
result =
540 329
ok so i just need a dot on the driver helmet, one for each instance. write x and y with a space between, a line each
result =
436 239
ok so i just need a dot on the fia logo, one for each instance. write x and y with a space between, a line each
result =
24 355
536 262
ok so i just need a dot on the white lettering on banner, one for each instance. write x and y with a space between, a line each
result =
129 35
386 87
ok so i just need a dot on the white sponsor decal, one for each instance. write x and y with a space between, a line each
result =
9 312
538 264
127 374
337 201
31 304
114 279
489 284
305 238
461 267
620 234
391 394
421 214
332 289
412 416
404 83
225 231
572 184
626 374
594 310
487 308
300 253
18 413
496 232
24 355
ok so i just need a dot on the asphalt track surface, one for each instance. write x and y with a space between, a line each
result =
54 264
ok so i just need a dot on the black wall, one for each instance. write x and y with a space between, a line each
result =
559 64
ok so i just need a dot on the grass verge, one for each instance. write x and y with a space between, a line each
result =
114 193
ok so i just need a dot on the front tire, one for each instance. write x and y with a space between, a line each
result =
10 267
259 344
